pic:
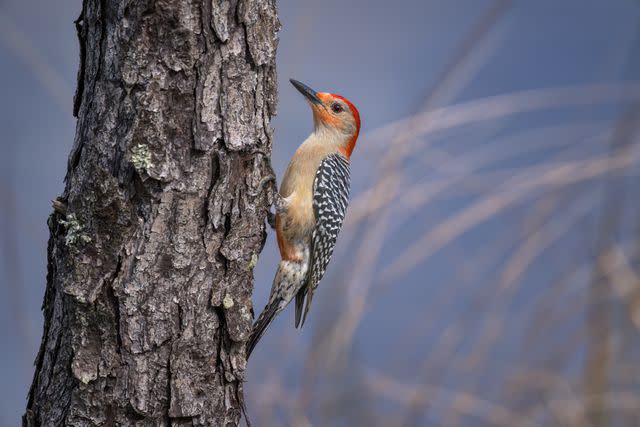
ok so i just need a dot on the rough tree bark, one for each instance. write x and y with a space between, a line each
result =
153 242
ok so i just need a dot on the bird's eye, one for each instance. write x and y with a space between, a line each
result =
336 108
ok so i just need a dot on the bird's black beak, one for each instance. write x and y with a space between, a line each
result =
308 93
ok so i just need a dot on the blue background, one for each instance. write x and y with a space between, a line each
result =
473 316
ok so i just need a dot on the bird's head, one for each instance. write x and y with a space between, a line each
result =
333 114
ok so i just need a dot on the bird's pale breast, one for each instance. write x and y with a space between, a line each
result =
297 189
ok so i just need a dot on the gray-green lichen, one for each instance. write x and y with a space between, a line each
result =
141 157
252 262
74 234
227 302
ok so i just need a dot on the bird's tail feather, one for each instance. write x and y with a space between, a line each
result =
265 319
300 304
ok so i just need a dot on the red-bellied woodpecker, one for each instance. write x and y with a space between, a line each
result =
311 206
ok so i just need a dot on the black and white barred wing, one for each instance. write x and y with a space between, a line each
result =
330 199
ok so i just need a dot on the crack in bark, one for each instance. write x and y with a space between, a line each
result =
115 304
81 33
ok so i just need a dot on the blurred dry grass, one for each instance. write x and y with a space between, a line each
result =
546 308
572 360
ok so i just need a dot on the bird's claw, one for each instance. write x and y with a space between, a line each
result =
269 179
279 203
271 219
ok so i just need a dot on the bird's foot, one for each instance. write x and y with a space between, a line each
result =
269 179
271 219
279 203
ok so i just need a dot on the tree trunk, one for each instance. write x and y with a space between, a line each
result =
153 242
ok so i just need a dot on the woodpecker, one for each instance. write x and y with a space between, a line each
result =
311 206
